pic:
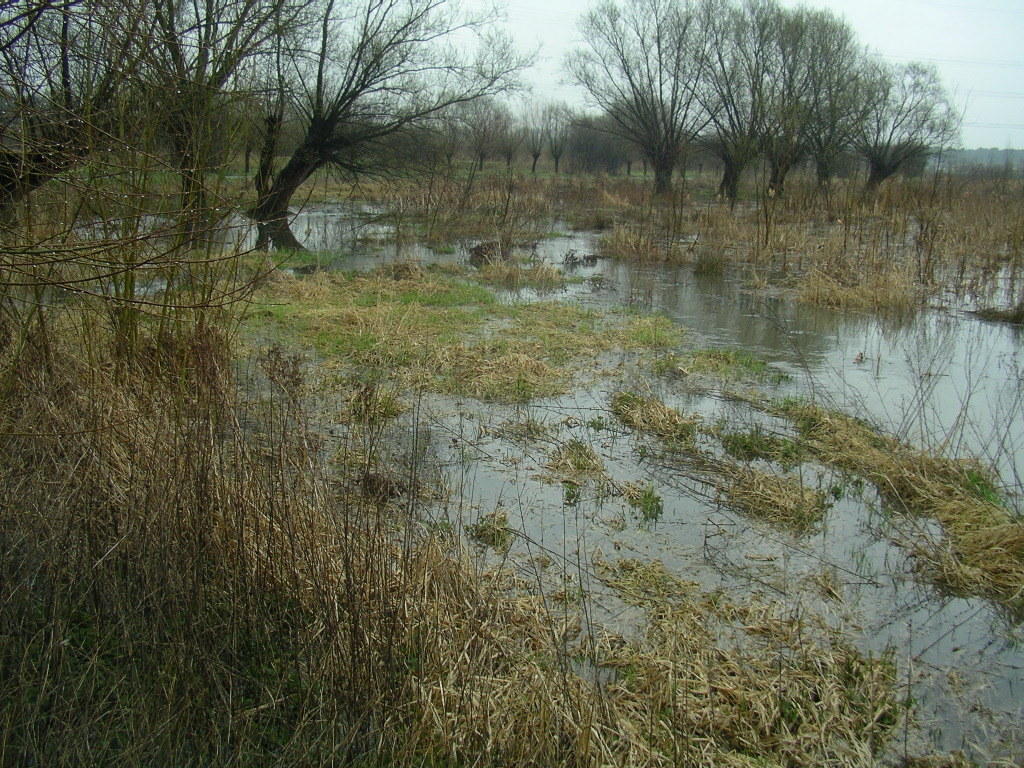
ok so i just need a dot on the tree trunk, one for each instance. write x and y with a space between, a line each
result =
879 172
271 211
21 172
533 169
268 150
823 168
193 194
729 187
663 168
629 167
777 177
556 158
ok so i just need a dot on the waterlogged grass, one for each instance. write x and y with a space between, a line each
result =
778 499
781 500
492 531
723 363
647 503
983 551
575 460
542 276
836 707
650 415
441 332
652 332
756 443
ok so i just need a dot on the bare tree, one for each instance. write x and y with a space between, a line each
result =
534 133
594 147
376 68
839 102
558 121
510 137
789 96
196 54
642 66
909 116
483 122
736 88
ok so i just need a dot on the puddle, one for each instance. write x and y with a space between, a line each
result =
936 379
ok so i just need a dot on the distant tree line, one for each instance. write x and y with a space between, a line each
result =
748 79
297 86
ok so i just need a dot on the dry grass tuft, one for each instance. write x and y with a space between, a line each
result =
575 460
542 277
890 289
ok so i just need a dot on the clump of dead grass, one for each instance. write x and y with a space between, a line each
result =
575 460
889 289
984 548
778 499
648 414
373 404
724 363
772 697
492 530
632 242
541 276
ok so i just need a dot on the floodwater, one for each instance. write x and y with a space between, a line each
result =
940 379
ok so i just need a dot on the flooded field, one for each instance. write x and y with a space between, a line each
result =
557 486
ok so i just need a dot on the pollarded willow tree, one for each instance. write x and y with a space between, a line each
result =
642 65
196 53
558 121
374 69
837 93
736 90
788 94
908 116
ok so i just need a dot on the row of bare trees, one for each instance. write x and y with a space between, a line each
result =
750 78
341 79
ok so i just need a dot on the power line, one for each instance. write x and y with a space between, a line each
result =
998 94
1011 126
969 62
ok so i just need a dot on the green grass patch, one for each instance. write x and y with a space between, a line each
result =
653 332
433 329
756 443
647 503
727 364
492 531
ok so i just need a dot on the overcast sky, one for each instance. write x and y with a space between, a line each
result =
978 48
